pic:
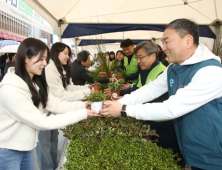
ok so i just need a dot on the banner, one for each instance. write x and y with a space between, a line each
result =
22 11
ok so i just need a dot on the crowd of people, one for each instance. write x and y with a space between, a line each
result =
175 89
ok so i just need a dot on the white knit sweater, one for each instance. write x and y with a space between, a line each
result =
54 81
20 120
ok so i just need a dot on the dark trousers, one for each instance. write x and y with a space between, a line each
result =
46 149
194 168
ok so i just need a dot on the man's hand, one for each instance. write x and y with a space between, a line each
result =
111 109
7 60
91 113
102 74
126 86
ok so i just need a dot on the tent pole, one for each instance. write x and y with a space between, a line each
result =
60 35
60 29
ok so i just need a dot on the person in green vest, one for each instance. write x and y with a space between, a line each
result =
130 62
149 65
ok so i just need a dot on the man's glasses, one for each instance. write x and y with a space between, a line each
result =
140 58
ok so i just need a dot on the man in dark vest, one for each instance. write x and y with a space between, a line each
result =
78 70
130 62
193 82
149 65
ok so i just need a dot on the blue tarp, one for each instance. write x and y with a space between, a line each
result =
77 30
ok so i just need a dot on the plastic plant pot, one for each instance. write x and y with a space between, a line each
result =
96 88
115 94
97 106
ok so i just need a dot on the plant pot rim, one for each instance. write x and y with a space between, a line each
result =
115 90
95 85
97 101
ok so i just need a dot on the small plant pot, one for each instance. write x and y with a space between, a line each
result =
96 88
115 94
147 139
97 106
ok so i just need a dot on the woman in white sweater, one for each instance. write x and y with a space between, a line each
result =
24 104
58 75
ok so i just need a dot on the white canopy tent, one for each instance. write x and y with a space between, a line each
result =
60 13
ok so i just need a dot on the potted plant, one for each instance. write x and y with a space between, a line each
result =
109 143
115 87
123 75
96 78
96 100
115 67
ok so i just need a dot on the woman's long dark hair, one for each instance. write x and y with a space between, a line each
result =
161 54
54 55
29 48
111 59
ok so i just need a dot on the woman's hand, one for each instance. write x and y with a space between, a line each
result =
108 92
92 113
88 105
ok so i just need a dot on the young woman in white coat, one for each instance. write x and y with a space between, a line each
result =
58 75
24 103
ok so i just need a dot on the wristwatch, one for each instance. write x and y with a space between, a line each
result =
123 111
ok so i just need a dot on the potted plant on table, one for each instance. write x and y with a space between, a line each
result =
115 87
96 78
96 100
123 75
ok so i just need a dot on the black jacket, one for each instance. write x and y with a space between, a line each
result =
80 75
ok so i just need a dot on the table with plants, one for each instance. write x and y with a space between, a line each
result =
114 143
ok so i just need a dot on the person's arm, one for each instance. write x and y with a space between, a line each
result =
57 89
72 87
104 80
21 108
129 90
85 76
204 87
147 92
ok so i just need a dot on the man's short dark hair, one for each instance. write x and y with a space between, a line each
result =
82 56
183 27
126 43
149 48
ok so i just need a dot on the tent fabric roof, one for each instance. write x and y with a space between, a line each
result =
77 30
153 12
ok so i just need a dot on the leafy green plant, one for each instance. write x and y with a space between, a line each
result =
116 67
115 85
114 143
118 153
124 74
97 96
99 127
104 66
92 63
217 47
95 76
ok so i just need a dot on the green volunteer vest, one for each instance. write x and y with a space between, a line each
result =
132 67
152 75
